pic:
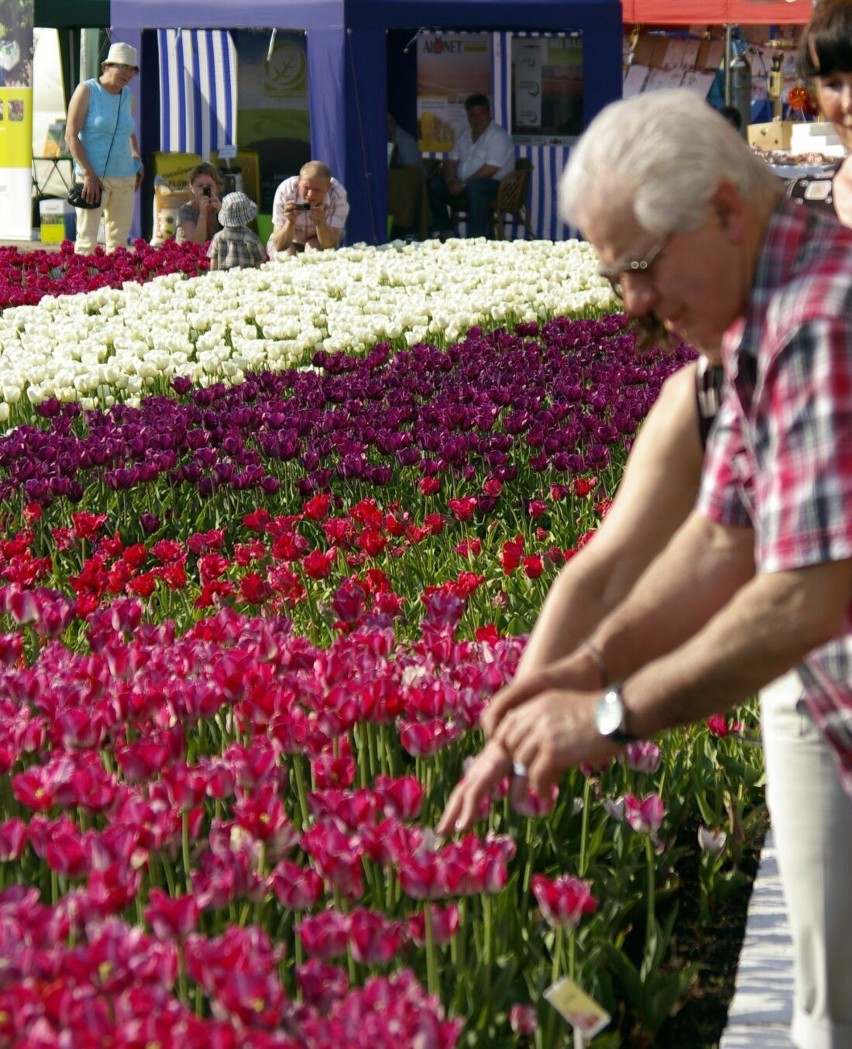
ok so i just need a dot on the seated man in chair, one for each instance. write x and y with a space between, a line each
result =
482 155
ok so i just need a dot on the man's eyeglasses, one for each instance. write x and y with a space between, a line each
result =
124 68
649 330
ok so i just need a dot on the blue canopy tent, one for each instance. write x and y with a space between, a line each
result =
347 57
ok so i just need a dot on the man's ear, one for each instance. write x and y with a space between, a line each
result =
730 209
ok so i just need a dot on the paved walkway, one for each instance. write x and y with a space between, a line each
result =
761 1009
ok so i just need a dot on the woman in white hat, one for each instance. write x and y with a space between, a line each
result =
101 137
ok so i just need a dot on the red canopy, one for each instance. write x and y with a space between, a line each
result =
718 12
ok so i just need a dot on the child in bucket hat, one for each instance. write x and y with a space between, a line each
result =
235 245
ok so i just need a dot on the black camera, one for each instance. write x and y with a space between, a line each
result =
303 206
207 191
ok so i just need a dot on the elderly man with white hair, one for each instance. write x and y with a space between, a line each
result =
697 237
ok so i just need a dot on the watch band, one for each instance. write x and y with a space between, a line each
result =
611 717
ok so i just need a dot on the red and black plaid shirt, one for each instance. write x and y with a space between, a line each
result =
780 454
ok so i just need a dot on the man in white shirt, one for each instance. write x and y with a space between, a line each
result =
482 156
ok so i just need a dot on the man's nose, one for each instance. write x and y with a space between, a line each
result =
638 294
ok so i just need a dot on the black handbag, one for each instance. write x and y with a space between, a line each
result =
75 193
75 197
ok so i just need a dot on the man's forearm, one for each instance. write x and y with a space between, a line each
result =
327 235
485 171
282 236
767 628
696 575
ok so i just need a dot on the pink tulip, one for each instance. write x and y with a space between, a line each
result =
645 816
171 919
322 985
445 924
373 939
297 888
401 797
564 900
324 935
643 756
523 1019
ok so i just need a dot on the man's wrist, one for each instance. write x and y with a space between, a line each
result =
596 657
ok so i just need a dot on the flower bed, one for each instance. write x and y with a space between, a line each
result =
248 632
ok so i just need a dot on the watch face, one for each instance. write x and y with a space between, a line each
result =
610 714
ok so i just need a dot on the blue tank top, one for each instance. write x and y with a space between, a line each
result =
97 131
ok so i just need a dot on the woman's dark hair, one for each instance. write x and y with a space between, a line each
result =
826 45
206 168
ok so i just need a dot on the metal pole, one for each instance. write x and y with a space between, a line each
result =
729 57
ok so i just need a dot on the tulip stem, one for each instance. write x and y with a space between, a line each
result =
584 829
187 866
649 853
431 966
299 774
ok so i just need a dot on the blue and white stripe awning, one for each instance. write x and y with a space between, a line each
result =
198 90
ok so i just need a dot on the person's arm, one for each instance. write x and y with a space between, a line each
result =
449 170
328 236
134 152
654 497
283 220
455 186
483 171
768 626
500 150
330 217
195 230
78 109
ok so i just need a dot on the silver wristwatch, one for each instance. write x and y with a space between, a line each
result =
611 717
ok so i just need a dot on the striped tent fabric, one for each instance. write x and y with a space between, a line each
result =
198 90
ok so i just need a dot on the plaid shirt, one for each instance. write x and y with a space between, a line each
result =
336 204
236 246
780 455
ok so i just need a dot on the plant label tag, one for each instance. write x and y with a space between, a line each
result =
581 1011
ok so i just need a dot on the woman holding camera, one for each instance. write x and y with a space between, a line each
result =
198 219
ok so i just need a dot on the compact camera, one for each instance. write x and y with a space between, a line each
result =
206 191
303 206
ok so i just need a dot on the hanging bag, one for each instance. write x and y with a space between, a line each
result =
75 193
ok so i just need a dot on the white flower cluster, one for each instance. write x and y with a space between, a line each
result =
119 344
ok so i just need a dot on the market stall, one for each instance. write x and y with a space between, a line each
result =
347 70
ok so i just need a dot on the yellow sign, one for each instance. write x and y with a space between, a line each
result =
16 123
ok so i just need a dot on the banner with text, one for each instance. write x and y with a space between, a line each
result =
450 66
16 118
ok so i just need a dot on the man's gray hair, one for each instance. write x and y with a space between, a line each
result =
666 151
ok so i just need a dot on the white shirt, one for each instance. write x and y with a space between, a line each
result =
494 146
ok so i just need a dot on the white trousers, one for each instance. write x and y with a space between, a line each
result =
812 825
117 209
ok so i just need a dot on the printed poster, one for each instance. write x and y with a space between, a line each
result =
547 88
16 118
450 67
